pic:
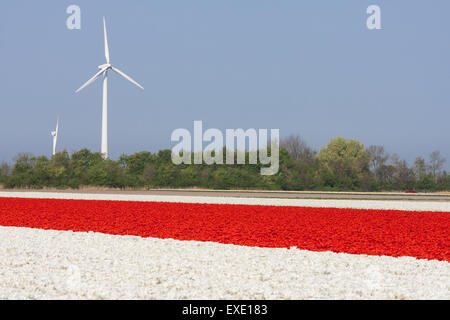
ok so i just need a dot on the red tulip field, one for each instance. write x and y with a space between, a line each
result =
391 253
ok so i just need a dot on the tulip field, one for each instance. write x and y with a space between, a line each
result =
93 246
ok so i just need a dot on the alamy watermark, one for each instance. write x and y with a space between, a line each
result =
374 20
74 20
73 278
213 153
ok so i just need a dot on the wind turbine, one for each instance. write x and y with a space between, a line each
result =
104 68
55 136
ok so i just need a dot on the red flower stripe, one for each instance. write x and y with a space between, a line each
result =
373 232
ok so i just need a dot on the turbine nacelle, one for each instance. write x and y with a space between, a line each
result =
105 66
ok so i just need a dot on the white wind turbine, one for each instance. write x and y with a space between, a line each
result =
104 70
55 136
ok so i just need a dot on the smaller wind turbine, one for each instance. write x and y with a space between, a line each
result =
55 136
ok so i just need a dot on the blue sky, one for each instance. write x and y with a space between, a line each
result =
306 67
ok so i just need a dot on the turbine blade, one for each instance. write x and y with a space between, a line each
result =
90 80
106 41
127 77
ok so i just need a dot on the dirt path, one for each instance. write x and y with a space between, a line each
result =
258 194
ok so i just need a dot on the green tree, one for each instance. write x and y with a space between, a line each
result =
402 176
344 164
5 171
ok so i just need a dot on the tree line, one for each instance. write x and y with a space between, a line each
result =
341 165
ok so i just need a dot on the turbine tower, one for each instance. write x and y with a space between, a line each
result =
104 68
55 137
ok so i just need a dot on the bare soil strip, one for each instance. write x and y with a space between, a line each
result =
254 194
